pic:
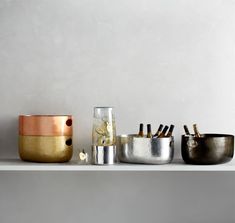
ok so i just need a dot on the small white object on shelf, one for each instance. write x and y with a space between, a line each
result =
177 165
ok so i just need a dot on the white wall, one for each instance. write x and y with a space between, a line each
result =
156 61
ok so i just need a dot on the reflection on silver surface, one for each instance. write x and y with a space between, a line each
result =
133 149
102 155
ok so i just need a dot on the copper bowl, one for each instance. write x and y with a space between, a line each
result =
46 149
45 125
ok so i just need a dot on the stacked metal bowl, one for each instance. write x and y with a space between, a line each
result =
45 138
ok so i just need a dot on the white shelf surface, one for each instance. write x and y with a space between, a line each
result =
177 165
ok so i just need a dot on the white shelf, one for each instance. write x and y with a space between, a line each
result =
178 165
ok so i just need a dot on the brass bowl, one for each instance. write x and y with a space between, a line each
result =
46 125
45 148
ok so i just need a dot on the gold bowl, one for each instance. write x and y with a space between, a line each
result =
45 148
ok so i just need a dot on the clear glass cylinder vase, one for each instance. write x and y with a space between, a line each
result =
104 128
104 136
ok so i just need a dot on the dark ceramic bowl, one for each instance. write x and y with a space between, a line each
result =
208 149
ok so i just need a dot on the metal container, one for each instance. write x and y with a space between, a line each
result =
133 149
102 155
45 125
45 138
208 149
45 148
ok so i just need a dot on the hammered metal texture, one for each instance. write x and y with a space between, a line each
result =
45 148
133 149
208 149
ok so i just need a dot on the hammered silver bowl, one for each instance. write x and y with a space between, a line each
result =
134 149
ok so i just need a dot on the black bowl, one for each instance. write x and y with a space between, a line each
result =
208 149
